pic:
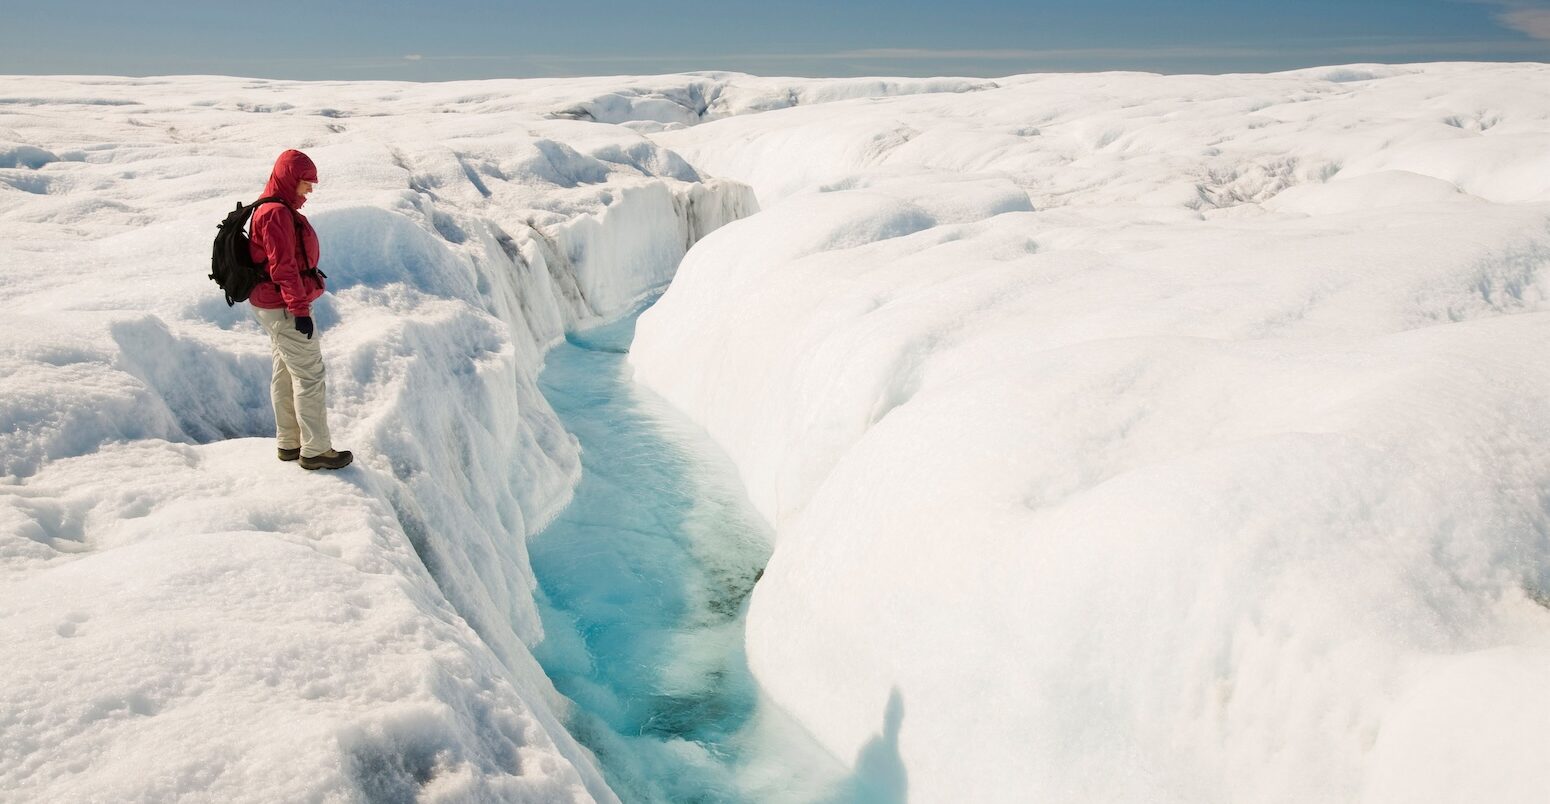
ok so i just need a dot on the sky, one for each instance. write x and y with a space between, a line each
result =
460 39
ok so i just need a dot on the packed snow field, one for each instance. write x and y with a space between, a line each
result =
1152 438
1122 437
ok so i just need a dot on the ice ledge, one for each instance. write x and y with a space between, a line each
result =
190 616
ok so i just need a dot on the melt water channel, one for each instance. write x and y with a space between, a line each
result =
645 579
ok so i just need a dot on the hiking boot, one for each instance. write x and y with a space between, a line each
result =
289 454
331 459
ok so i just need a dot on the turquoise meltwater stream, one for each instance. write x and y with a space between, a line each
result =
645 579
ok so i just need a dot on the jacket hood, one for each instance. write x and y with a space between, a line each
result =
292 167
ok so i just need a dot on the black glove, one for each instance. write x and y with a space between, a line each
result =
304 325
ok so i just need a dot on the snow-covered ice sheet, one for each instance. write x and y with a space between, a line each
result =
1142 438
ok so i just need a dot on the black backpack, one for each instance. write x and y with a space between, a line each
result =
231 265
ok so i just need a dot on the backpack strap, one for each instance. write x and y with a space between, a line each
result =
296 222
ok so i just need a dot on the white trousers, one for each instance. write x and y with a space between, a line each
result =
300 404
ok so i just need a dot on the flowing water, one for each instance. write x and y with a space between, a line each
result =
644 583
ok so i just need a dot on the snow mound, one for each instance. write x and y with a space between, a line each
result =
1381 190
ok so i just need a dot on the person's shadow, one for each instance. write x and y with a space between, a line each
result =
879 776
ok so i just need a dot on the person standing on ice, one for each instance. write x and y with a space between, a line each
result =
282 238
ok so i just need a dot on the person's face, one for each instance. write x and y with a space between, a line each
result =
303 187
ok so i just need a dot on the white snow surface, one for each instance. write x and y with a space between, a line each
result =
1126 437
184 616
1133 438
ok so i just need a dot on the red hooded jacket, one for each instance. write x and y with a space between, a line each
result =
273 240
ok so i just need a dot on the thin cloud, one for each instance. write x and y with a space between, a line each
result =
898 54
1438 48
1053 53
1533 21
1530 17
904 60
423 57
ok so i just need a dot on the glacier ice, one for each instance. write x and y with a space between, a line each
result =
1121 437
